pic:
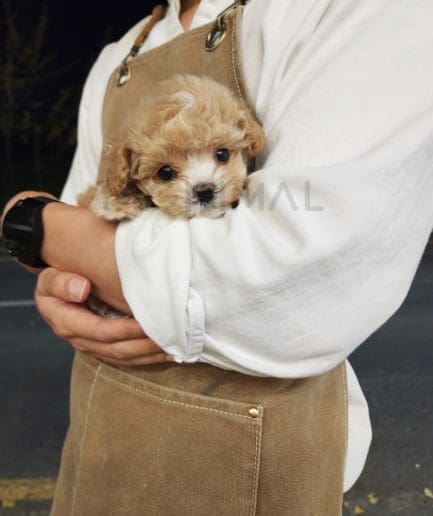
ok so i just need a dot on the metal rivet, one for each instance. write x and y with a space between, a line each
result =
253 412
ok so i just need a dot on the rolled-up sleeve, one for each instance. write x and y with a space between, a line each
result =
327 238
277 291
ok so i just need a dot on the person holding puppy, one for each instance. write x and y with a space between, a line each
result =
229 390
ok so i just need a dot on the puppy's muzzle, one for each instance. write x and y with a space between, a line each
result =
204 192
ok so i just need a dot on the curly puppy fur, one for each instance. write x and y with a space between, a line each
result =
184 130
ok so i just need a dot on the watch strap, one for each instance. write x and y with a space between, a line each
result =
23 231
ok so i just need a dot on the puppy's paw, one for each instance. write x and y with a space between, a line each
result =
114 208
103 310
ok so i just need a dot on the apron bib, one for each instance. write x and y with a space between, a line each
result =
193 439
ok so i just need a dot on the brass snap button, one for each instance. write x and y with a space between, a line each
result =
253 412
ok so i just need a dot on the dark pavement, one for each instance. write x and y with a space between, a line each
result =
395 367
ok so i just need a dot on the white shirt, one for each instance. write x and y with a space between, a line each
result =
296 278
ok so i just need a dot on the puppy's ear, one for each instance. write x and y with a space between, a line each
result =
254 139
122 171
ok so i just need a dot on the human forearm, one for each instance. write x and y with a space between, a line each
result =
59 295
75 240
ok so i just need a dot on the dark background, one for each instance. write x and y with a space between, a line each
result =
46 51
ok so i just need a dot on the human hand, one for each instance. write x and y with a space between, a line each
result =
58 298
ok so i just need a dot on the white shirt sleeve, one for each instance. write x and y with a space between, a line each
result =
324 245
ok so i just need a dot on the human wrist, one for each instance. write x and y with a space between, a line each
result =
78 241
51 217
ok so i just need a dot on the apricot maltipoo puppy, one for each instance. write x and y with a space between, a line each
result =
185 150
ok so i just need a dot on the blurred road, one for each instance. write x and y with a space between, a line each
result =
395 367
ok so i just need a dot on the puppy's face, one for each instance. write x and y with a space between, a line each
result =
188 150
190 183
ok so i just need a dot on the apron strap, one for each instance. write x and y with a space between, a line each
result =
158 14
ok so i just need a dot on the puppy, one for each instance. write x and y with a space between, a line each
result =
184 150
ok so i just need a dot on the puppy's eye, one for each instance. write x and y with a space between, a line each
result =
166 173
222 155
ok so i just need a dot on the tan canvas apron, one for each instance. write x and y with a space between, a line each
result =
192 439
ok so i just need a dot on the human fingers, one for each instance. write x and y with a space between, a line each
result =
127 350
67 286
75 321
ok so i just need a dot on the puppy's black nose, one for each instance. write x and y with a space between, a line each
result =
205 192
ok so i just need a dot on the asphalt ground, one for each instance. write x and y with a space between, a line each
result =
395 368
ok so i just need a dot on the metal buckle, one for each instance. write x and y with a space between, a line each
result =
124 74
219 29
216 35
125 71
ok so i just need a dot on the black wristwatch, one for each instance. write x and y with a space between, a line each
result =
23 231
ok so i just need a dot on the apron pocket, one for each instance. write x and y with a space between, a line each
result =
146 449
